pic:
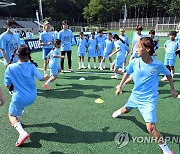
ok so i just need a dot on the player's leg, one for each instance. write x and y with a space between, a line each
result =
82 58
110 61
79 62
120 111
94 62
62 60
89 66
69 55
45 53
151 127
16 110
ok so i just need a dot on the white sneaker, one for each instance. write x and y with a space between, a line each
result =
79 68
22 138
164 79
117 113
94 67
115 77
83 67
100 68
104 68
89 67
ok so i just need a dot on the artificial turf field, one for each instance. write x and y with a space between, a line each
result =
67 120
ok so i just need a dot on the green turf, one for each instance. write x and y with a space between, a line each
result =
67 120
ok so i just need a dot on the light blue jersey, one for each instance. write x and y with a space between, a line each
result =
55 35
135 39
82 44
9 43
146 79
53 62
125 39
92 46
65 37
109 46
144 95
100 44
21 75
46 37
171 47
123 50
178 36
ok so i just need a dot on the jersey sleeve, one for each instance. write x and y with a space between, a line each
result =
163 70
165 44
129 69
37 74
7 79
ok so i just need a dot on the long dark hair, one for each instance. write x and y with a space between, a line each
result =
115 36
22 52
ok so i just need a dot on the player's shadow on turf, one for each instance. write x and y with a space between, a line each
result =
95 88
67 134
142 126
64 94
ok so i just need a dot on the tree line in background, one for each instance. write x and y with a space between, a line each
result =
93 10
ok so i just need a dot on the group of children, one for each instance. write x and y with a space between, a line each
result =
143 67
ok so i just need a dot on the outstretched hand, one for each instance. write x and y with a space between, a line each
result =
118 90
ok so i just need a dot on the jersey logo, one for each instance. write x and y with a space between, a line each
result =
153 71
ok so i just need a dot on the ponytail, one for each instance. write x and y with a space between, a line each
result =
12 57
32 61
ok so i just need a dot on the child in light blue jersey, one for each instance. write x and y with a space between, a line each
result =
21 75
170 47
135 39
109 46
144 95
2 98
46 41
100 45
9 42
92 49
122 51
82 47
123 36
53 58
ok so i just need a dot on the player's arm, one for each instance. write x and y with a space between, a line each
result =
173 91
119 87
58 56
44 44
117 50
4 55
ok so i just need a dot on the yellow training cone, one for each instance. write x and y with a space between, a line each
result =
99 101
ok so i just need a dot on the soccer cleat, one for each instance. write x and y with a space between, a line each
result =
46 86
116 114
22 138
164 79
101 68
79 68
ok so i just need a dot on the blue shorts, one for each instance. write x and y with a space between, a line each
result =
91 53
46 52
54 70
117 64
100 52
19 102
81 54
147 109
169 62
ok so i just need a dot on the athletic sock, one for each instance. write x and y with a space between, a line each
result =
94 64
172 75
19 128
83 64
47 82
165 148
79 64
45 72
